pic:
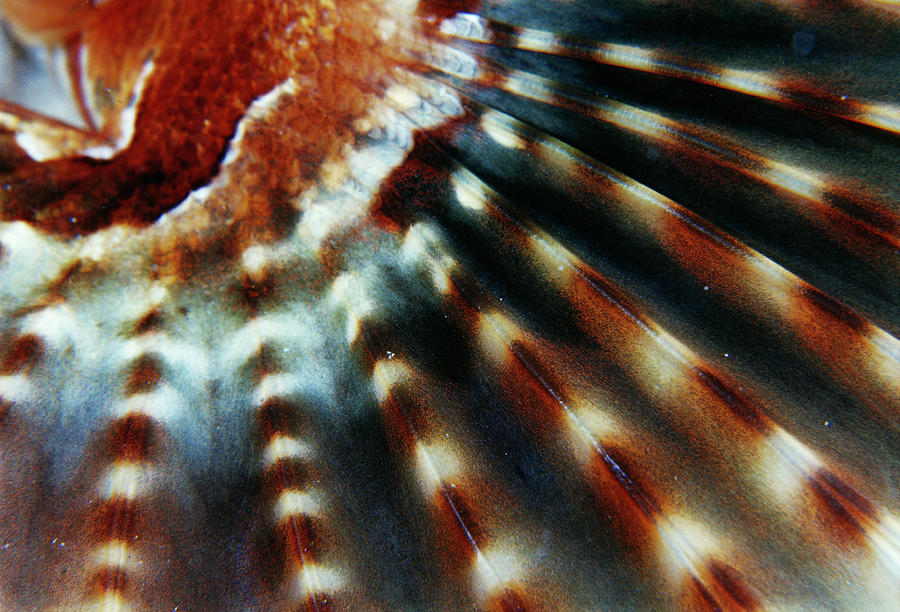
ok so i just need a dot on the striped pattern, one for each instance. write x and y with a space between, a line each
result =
450 305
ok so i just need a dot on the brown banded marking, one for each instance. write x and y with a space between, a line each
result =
542 248
289 488
830 205
598 303
392 377
461 500
734 272
761 84
850 348
637 512
765 433
128 480
515 353
623 493
840 511
45 330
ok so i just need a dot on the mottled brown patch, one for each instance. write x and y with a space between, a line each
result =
460 519
22 355
284 474
278 416
108 580
732 585
303 540
150 322
508 600
144 375
199 90
128 438
626 503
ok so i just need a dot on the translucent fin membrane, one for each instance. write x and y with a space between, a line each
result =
825 198
713 258
834 218
763 85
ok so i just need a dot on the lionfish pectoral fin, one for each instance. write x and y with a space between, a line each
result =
489 305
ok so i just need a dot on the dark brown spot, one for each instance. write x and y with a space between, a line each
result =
625 503
128 438
115 520
835 513
22 355
150 322
619 467
460 517
732 584
108 580
509 600
278 416
534 390
145 374
319 602
303 539
255 292
834 309
398 422
700 597
735 403
847 492
287 473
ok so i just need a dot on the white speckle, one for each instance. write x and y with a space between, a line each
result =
254 260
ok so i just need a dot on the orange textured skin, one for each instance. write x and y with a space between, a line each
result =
200 87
